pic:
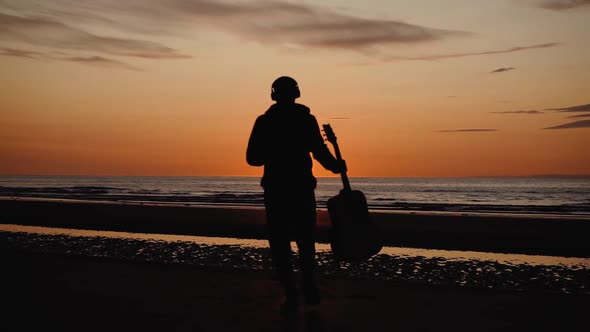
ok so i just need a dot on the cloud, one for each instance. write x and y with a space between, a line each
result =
271 22
63 24
460 55
5 51
301 25
501 70
91 60
572 125
48 32
311 27
580 116
519 112
579 108
100 61
561 4
465 130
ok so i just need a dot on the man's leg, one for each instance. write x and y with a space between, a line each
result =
307 263
277 215
305 238
280 251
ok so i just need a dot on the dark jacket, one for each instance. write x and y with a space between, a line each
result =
281 141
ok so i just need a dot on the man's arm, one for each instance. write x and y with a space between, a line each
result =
255 153
321 152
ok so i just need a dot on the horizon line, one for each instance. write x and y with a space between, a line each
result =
317 176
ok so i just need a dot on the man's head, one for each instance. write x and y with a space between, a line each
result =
284 89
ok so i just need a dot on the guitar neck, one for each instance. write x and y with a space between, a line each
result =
343 175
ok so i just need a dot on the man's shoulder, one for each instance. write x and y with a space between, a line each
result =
282 109
303 108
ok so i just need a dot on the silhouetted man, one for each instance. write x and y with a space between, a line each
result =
282 140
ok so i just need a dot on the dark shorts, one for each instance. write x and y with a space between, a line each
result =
290 213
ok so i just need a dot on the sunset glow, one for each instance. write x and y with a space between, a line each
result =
411 88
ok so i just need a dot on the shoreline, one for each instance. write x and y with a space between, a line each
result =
518 234
321 206
511 215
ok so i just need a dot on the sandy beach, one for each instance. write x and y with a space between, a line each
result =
509 233
64 293
95 285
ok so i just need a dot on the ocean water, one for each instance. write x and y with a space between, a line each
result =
551 195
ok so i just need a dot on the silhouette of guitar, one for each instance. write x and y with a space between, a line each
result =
354 236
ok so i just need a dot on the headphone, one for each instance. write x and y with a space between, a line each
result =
284 87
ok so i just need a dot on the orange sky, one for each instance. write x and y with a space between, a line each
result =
173 88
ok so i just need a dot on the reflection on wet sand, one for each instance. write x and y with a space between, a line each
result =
467 269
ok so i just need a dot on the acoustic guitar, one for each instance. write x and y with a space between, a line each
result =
354 235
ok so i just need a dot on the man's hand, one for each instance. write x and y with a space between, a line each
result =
340 167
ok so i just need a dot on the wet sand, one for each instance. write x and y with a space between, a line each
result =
67 284
50 292
474 270
525 234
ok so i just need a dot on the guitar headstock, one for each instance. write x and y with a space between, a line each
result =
329 133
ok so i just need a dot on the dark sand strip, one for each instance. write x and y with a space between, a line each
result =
566 236
43 292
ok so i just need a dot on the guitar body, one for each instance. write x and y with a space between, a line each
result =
354 236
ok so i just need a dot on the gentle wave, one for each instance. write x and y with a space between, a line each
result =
497 195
